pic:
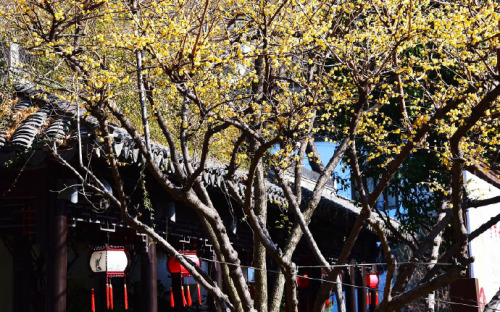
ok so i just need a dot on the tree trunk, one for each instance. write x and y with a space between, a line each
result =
339 296
259 251
291 289
223 268
431 303
277 293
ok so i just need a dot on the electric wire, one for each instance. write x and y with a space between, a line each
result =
464 304
337 265
314 278
351 285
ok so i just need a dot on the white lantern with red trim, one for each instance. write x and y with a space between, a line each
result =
111 261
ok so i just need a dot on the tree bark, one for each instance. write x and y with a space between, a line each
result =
339 295
259 251
431 303
291 289
277 293
314 160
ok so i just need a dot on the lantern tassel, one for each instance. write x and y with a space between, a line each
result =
376 298
184 303
190 300
125 294
199 294
111 294
92 300
172 302
107 293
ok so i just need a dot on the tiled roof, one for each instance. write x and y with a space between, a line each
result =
53 121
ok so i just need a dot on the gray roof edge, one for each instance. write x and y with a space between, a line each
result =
24 90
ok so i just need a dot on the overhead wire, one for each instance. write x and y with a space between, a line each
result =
351 285
338 265
315 278
371 264
464 304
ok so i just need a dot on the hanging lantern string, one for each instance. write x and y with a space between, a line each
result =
330 266
372 264
320 279
352 285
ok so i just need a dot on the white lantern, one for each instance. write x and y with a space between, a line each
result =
110 260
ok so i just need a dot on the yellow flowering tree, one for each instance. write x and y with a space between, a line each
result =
230 80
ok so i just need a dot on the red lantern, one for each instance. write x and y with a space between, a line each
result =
175 267
303 281
372 280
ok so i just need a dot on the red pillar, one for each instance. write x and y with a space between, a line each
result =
149 268
350 290
57 257
362 291
22 293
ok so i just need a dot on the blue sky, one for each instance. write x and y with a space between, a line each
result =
326 150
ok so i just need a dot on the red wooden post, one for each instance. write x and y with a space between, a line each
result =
149 268
350 291
362 291
57 257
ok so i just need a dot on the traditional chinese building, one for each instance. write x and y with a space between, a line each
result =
49 223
